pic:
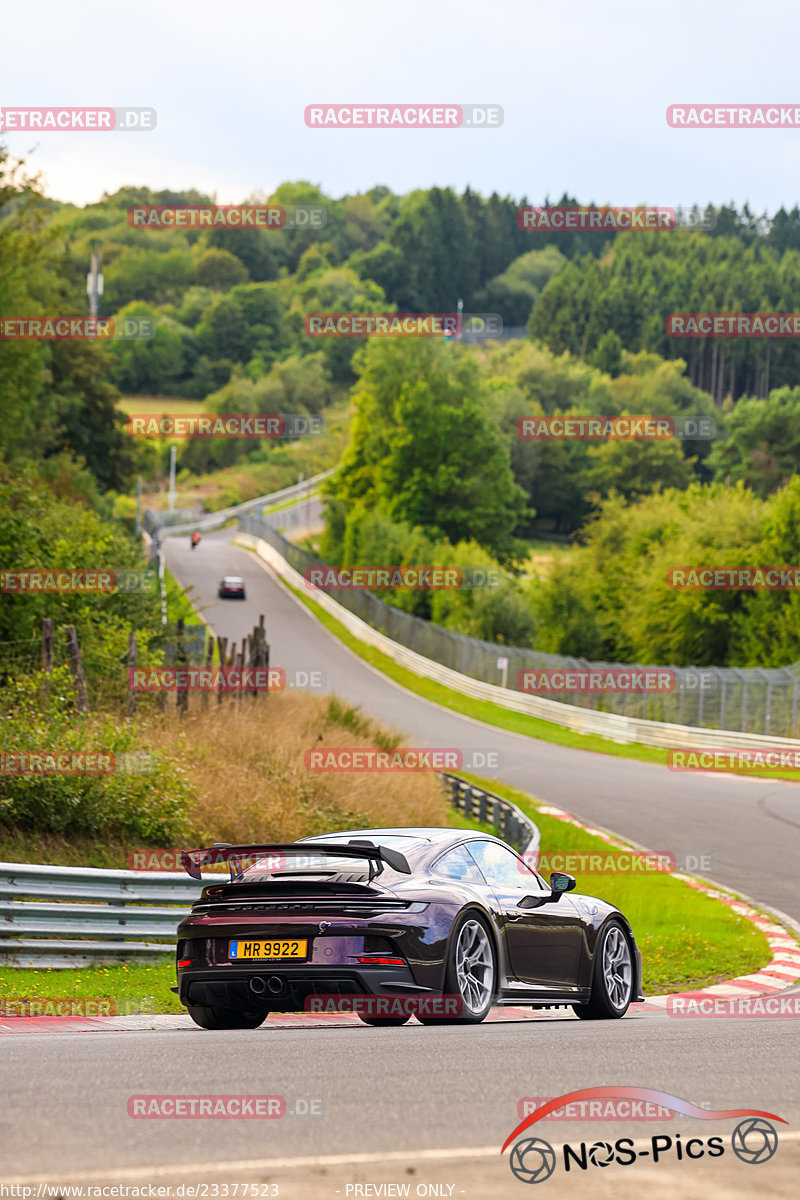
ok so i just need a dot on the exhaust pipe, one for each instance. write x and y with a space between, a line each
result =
274 985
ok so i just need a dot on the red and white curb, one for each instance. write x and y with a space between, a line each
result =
139 1022
780 973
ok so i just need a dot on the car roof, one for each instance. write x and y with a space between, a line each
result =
425 846
232 579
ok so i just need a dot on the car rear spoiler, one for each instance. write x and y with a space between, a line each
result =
223 852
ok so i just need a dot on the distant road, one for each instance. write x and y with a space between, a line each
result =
751 828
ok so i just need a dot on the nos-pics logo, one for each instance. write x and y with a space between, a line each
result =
533 1160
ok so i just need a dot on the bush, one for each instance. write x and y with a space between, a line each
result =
146 798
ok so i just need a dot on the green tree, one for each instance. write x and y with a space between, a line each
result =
219 269
336 290
607 356
762 442
424 447
153 364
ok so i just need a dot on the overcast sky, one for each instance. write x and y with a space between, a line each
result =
584 87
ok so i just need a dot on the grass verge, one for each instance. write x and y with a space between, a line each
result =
128 988
179 602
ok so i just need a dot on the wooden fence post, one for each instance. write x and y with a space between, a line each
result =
222 645
47 644
76 663
180 663
231 662
47 656
241 662
252 659
131 707
209 661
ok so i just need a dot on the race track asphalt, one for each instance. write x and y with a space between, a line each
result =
748 828
430 1104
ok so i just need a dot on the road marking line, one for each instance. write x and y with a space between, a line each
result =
309 1161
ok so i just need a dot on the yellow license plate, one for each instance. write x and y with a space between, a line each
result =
273 949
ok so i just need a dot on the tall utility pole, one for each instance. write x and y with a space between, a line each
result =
94 284
138 505
173 450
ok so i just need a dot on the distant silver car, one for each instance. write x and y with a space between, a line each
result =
231 585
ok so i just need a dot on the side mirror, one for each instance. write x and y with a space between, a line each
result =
561 882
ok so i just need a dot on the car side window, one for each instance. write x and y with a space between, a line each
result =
457 864
502 868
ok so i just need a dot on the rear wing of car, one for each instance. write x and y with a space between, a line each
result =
193 861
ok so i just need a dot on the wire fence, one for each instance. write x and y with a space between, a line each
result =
106 684
747 699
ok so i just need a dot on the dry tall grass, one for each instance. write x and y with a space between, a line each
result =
246 764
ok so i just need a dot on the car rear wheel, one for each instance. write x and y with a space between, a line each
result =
612 979
383 1020
471 973
224 1018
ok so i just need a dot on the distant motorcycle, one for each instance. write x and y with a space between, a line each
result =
195 540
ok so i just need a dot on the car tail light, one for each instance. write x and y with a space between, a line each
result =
379 960
184 962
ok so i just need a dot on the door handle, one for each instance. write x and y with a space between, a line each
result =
514 916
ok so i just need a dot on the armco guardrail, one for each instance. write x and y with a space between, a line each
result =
73 916
761 700
161 528
510 822
616 727
78 916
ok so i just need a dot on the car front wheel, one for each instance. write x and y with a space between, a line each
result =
208 1017
612 978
